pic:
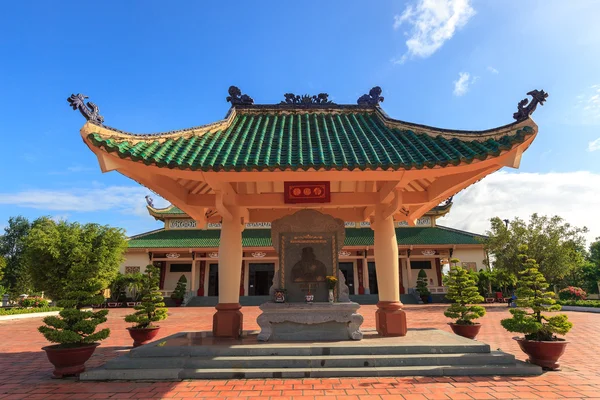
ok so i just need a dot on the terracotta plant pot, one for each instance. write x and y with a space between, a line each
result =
178 302
142 336
425 299
69 360
544 354
468 331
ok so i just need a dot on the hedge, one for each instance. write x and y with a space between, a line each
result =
580 303
15 311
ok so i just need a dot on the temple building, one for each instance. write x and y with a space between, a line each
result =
184 248
317 164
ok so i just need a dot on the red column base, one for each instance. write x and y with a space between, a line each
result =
228 321
390 319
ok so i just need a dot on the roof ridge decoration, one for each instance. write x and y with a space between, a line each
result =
90 110
524 110
306 99
372 99
236 97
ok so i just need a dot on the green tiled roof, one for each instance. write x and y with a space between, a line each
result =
262 237
171 210
355 138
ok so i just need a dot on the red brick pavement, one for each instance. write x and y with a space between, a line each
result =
25 371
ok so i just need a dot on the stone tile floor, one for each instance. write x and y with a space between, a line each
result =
25 371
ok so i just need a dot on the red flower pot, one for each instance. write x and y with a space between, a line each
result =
69 360
544 354
178 302
142 336
468 331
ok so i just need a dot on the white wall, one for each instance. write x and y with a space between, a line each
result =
476 255
431 274
135 260
171 278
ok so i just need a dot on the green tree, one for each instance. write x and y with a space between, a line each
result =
589 275
422 283
557 246
180 289
16 277
463 292
532 293
60 253
152 307
2 267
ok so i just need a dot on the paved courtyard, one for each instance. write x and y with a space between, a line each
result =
25 371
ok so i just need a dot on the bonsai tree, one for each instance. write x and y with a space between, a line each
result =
74 327
180 289
422 284
152 307
532 294
463 292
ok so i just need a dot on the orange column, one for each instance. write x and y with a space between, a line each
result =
390 319
228 320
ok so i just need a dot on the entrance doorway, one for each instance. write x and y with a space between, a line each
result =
347 269
372 278
260 278
213 279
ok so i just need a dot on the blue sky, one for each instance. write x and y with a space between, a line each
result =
152 66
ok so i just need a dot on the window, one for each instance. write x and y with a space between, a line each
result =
132 270
180 268
420 265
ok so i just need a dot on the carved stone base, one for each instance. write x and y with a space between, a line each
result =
313 322
390 319
228 320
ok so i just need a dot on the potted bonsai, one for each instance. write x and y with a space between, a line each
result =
179 292
74 331
540 342
463 292
150 310
424 293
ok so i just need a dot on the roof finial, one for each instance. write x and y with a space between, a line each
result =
149 201
291 98
524 110
90 111
372 99
236 97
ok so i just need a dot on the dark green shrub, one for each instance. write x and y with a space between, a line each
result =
35 302
15 311
532 293
180 289
152 307
463 291
422 283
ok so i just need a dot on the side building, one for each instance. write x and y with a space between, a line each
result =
182 247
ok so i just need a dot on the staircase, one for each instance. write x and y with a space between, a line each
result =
423 352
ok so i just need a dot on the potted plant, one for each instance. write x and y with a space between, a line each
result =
179 292
150 310
463 292
331 282
74 331
540 342
422 286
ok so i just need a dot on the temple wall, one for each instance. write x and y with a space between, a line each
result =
134 260
471 255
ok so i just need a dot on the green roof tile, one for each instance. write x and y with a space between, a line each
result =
438 235
305 139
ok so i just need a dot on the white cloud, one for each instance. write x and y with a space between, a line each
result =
122 199
461 86
571 195
594 145
588 105
492 70
431 23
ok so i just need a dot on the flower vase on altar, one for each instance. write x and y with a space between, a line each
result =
331 282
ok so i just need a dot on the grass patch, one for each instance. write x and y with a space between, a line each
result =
16 311
580 303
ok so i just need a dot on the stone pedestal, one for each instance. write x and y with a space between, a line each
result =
390 319
228 320
310 322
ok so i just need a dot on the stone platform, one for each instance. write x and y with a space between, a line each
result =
309 321
198 355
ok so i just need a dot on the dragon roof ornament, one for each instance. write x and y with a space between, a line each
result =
524 110
236 97
291 98
89 111
372 99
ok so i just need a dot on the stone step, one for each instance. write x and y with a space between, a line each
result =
172 374
319 361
